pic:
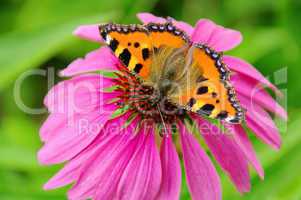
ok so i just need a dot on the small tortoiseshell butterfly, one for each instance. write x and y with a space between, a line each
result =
191 76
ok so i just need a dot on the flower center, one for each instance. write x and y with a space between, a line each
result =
148 101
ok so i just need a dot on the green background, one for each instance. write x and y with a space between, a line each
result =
37 34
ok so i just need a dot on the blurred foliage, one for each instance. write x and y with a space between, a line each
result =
37 34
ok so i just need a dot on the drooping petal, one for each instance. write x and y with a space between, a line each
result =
171 171
262 132
70 138
81 93
69 173
256 114
100 59
94 169
241 138
88 32
202 178
240 66
227 153
107 187
72 170
100 173
74 136
251 90
216 37
70 114
148 18
53 121
74 99
142 177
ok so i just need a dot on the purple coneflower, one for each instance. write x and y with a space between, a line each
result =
100 128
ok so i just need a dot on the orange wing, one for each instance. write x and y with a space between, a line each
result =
134 44
131 44
213 95
167 35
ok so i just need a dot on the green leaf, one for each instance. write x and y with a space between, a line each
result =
22 51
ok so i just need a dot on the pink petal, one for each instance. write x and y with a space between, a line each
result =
225 39
65 176
67 124
241 66
66 140
227 153
148 18
203 31
75 98
249 88
73 137
261 131
68 174
79 94
53 121
142 177
256 114
183 26
103 161
202 178
71 171
88 32
101 173
241 138
171 171
100 59
107 187
217 37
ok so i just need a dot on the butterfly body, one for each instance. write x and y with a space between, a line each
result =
191 76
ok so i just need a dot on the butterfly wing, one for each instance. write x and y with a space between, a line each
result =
134 44
166 35
211 93
204 88
131 44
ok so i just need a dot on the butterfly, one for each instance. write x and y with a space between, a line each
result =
190 75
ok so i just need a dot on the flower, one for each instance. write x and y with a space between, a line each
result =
109 146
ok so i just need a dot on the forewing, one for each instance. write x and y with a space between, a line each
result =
211 93
131 44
